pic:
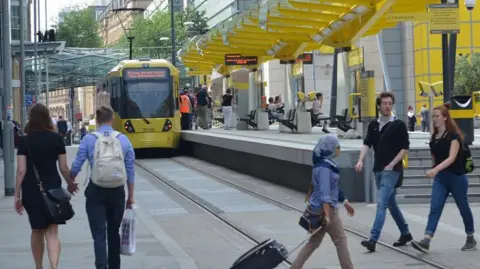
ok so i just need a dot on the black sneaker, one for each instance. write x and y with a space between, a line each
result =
369 244
403 240
422 246
471 244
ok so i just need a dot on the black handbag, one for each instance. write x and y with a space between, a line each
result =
311 221
57 201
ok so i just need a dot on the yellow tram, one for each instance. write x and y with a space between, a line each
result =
143 94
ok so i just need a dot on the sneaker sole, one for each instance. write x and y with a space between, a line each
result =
470 249
419 248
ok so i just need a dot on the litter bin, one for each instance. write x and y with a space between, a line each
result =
461 110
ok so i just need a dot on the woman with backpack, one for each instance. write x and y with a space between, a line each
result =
449 173
324 200
41 149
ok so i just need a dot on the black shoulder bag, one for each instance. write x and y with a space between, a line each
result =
400 176
56 201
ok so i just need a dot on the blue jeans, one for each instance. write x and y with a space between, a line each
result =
444 184
385 181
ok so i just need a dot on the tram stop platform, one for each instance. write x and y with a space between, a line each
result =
174 233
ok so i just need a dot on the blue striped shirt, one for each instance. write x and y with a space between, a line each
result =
87 149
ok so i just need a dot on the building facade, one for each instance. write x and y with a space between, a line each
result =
111 29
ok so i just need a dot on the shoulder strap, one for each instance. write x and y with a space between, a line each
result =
382 135
115 134
97 134
35 171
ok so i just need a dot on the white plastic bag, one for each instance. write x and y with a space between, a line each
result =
128 244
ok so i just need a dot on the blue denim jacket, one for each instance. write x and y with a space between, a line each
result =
325 180
86 151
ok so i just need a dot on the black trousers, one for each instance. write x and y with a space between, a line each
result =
105 207
186 121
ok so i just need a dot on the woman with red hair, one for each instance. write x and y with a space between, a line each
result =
449 173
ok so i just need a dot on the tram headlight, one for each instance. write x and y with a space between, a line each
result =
167 126
129 127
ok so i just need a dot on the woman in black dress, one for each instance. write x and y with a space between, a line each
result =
44 147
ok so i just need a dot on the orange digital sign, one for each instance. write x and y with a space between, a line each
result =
145 74
237 59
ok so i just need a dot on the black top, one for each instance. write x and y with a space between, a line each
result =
62 126
202 98
45 147
227 100
440 149
394 137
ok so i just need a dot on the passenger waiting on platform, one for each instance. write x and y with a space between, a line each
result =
449 169
105 205
41 148
389 138
185 110
62 126
227 109
202 106
425 116
317 104
272 109
324 199
412 119
210 109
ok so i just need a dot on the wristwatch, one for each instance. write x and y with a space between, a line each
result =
345 202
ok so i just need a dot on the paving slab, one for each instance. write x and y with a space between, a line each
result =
278 222
446 245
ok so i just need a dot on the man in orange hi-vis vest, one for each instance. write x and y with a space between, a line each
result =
185 109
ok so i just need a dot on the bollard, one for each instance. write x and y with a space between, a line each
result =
461 111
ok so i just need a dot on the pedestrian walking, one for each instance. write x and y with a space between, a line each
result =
112 159
324 201
389 138
449 173
37 157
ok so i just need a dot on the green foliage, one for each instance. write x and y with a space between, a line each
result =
467 74
149 32
79 28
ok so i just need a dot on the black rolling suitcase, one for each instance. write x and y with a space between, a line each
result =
266 255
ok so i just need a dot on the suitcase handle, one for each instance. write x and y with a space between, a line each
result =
305 240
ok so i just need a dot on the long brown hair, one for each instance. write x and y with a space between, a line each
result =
39 119
450 125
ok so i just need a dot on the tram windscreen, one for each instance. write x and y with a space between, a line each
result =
148 99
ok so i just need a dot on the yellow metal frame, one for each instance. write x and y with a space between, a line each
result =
280 29
476 108
350 105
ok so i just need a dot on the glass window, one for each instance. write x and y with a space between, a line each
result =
148 99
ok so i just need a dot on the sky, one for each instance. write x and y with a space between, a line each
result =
54 7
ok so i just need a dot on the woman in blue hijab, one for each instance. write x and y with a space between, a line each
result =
324 199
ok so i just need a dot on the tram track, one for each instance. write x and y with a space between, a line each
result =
196 200
294 208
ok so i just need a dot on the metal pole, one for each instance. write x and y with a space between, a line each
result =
333 95
46 17
40 65
8 150
452 51
445 66
313 72
46 83
172 24
35 48
130 39
23 111
383 60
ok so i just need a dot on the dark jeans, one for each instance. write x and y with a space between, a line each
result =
105 209
444 184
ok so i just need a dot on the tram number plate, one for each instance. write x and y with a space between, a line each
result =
148 130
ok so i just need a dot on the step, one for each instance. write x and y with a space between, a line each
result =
418 161
422 170
422 179
427 188
425 198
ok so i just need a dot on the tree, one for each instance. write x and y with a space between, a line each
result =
467 74
79 28
149 32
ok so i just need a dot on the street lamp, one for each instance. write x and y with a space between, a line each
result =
188 24
129 37
164 38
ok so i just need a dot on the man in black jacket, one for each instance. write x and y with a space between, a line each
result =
389 138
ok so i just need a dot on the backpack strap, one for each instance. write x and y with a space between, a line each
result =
97 134
115 134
